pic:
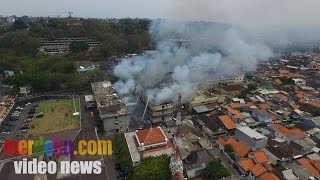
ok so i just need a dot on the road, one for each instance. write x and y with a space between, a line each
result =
88 121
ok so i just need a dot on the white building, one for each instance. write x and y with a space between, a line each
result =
299 82
113 112
251 138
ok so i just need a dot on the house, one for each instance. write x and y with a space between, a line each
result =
299 82
227 122
246 164
262 115
268 176
148 142
196 162
307 163
287 134
259 157
256 171
299 171
232 90
304 145
251 138
311 122
240 148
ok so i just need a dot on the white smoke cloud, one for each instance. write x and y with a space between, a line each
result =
212 50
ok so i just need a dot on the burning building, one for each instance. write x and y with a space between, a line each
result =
158 112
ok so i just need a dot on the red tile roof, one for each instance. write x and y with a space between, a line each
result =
227 122
307 164
269 176
280 96
258 169
317 165
240 148
288 132
151 136
246 163
314 104
235 105
259 156
263 106
278 81
231 110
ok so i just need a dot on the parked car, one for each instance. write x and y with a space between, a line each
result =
40 114
5 132
22 131
28 120
27 104
9 124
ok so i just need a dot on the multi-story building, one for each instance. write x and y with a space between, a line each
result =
251 138
113 112
158 112
61 45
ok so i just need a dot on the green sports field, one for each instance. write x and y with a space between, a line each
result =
58 116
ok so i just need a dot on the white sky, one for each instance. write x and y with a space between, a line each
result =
87 8
301 12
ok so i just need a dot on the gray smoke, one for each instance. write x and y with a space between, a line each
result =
188 53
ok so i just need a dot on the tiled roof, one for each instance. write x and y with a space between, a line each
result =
235 105
280 96
288 132
317 165
294 106
269 176
278 81
263 106
307 164
314 104
231 110
151 136
258 169
240 148
227 122
259 156
232 88
246 163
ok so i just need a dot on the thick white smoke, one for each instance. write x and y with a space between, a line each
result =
188 53
205 53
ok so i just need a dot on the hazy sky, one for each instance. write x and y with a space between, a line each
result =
301 12
87 8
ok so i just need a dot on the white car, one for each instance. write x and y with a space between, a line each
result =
28 104
4 132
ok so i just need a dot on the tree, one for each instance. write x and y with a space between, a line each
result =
153 168
122 154
228 148
78 46
65 66
19 24
317 112
217 170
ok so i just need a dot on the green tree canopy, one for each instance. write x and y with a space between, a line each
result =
78 46
217 170
153 168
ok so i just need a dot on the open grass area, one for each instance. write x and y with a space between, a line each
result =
58 116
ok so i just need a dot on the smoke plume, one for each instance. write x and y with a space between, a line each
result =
188 52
